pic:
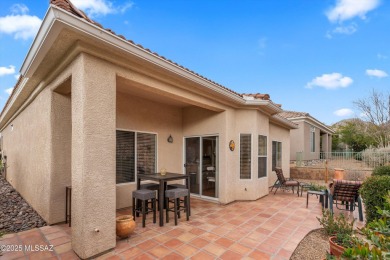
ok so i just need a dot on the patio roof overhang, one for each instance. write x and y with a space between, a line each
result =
62 36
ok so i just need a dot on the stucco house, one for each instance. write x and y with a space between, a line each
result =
312 139
92 109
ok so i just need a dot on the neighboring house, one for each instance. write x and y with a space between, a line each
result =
92 109
310 139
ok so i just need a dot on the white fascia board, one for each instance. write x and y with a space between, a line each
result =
267 103
79 24
13 98
283 121
314 121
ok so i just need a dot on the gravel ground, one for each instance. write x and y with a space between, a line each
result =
15 213
313 246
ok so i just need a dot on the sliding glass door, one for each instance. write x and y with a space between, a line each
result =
201 163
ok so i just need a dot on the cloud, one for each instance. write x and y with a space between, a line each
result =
9 91
330 81
348 9
101 7
381 56
7 71
19 23
377 73
342 29
343 112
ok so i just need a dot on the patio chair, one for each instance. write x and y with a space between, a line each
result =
284 183
345 195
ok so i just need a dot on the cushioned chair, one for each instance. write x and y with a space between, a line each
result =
144 196
345 195
174 196
284 183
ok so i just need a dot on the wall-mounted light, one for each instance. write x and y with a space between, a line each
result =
170 139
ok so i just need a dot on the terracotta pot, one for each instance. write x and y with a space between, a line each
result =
339 174
125 225
335 249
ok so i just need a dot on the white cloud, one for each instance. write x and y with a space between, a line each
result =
9 91
330 81
377 73
342 29
343 112
7 71
348 9
19 9
19 23
381 56
100 7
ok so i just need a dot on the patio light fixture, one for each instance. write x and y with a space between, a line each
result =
170 139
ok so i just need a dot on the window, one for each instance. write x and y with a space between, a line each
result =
245 156
262 157
276 154
312 139
128 145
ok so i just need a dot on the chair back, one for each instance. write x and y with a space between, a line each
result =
279 174
344 190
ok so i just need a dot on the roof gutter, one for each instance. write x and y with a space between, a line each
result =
283 121
313 120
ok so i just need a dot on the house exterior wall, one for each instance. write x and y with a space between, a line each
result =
137 114
297 140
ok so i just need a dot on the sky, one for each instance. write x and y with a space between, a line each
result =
314 56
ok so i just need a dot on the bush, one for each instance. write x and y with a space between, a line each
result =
335 225
376 156
373 191
381 170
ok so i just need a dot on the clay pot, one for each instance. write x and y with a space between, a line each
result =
338 174
125 225
335 249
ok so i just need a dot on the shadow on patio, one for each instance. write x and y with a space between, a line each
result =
269 228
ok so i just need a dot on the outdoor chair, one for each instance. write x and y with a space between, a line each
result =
345 195
284 183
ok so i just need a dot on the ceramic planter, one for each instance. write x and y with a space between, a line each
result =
125 225
335 249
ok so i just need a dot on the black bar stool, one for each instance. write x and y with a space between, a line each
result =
144 196
174 196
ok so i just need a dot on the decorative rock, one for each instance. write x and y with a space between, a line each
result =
15 213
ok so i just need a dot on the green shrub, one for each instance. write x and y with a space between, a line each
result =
336 225
381 170
373 191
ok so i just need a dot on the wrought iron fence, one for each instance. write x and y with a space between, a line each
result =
347 160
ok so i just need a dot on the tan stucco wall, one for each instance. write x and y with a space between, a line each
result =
141 115
27 148
297 140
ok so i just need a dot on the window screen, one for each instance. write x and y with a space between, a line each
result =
245 156
125 154
262 156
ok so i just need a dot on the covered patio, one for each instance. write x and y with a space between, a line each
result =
268 228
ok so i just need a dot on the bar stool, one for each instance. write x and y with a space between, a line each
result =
180 186
174 196
151 186
144 196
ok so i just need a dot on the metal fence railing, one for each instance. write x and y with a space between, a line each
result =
346 160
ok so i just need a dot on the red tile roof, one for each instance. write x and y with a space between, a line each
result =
69 7
293 114
258 96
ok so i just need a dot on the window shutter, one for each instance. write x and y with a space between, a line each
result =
125 154
262 156
245 156
146 153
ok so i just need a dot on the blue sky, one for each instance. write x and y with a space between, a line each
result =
310 56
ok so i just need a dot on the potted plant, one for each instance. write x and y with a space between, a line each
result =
340 231
125 225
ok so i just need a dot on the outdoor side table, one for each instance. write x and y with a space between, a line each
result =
323 197
304 185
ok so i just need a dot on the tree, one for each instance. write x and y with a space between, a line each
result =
356 134
376 109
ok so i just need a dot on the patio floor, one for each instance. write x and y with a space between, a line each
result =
268 228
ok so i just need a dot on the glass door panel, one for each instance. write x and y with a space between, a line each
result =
192 163
209 166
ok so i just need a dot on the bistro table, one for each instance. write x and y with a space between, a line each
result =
162 180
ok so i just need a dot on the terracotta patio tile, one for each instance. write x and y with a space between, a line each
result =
148 244
214 249
230 255
159 251
55 235
175 232
186 237
40 255
202 256
162 238
256 254
284 253
268 248
239 248
63 248
12 255
173 243
224 242
173 256
8 236
70 255
197 231
131 253
199 242
274 241
60 241
186 250
249 242
143 256
209 236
